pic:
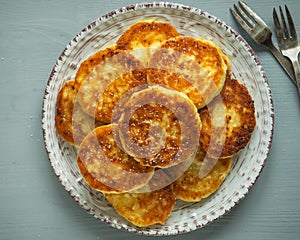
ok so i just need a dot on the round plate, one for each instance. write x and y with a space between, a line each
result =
246 68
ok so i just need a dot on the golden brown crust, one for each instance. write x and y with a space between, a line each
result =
142 38
71 123
145 208
159 127
108 81
105 167
192 66
192 186
228 121
115 90
146 34
87 66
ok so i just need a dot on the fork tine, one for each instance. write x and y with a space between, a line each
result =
291 23
251 12
285 28
248 20
240 20
278 30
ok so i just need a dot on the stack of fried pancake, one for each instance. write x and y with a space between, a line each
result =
155 117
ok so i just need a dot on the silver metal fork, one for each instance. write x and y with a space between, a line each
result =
260 33
287 40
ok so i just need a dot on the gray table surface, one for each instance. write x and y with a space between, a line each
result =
33 203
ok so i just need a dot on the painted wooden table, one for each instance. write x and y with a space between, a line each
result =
33 203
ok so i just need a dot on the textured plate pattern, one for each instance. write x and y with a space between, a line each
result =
245 67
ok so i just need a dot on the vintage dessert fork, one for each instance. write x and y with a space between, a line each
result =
260 33
288 42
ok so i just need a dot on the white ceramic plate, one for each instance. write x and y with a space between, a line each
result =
245 67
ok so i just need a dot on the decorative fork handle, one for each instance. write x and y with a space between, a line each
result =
284 62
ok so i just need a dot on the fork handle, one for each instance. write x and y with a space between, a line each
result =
297 72
284 62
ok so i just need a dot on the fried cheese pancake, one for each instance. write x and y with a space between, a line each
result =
159 126
105 167
195 67
228 121
114 74
72 124
115 90
88 65
192 186
145 208
143 37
